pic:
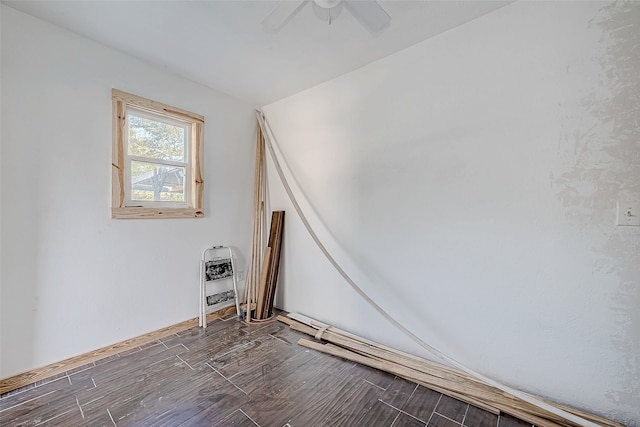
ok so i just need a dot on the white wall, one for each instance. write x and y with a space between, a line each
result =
474 179
74 280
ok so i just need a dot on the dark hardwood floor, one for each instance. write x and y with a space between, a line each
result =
233 374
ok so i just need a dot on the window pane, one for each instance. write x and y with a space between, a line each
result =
156 182
156 139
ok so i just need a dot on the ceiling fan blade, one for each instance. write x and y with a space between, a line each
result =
284 11
370 14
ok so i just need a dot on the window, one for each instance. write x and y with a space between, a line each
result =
156 164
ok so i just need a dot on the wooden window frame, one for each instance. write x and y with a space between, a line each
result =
122 100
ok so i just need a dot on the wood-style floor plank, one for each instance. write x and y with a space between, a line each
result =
270 376
98 419
374 376
351 410
232 373
298 395
11 400
200 402
422 403
237 419
405 420
451 408
49 407
321 394
398 393
478 418
256 352
380 414
440 421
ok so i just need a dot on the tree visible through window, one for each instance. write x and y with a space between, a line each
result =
157 152
156 159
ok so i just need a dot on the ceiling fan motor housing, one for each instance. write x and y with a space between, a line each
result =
327 4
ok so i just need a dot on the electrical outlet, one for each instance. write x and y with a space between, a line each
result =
628 213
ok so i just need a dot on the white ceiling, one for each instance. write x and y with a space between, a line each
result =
221 44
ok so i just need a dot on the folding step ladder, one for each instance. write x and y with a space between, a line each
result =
218 282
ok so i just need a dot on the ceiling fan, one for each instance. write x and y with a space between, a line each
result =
368 12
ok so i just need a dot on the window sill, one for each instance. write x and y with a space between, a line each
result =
136 213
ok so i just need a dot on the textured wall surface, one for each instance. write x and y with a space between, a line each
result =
470 183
